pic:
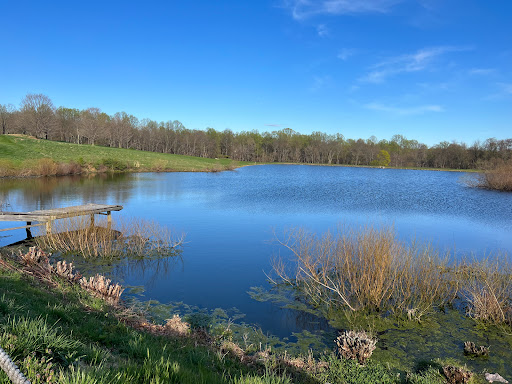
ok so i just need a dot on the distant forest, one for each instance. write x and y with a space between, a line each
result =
37 116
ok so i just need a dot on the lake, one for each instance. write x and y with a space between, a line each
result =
231 219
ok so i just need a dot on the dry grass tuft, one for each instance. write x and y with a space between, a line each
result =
177 326
34 256
65 270
102 287
486 285
354 345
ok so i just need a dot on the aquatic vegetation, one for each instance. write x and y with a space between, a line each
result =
133 237
366 269
470 349
486 285
371 271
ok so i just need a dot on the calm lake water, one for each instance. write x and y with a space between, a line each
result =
230 219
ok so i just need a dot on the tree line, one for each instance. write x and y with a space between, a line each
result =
37 116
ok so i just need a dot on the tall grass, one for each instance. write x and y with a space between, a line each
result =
132 237
366 269
486 286
370 269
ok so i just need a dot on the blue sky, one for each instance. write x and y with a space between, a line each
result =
431 70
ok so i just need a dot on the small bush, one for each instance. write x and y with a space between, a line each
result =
112 165
70 168
496 175
45 167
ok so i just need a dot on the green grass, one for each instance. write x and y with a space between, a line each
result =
64 335
78 337
20 150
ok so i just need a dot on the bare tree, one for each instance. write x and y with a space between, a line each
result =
38 115
6 112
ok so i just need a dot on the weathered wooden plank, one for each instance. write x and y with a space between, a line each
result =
22 218
25 226
59 213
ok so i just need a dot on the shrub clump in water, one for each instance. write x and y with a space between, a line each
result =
470 349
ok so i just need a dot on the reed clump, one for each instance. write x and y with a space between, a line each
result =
367 269
370 269
133 237
486 287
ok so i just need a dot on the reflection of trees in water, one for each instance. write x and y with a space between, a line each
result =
48 192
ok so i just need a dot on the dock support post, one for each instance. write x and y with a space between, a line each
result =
29 233
92 220
109 220
49 227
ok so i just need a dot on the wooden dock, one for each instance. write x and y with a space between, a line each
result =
47 216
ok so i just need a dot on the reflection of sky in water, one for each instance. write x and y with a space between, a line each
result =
229 219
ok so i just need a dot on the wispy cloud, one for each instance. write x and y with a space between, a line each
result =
482 71
274 125
403 111
414 62
345 53
322 30
303 9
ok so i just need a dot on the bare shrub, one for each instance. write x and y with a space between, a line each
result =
103 287
45 167
33 256
135 237
496 175
354 345
369 268
71 168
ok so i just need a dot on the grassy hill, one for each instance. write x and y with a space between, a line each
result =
22 156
